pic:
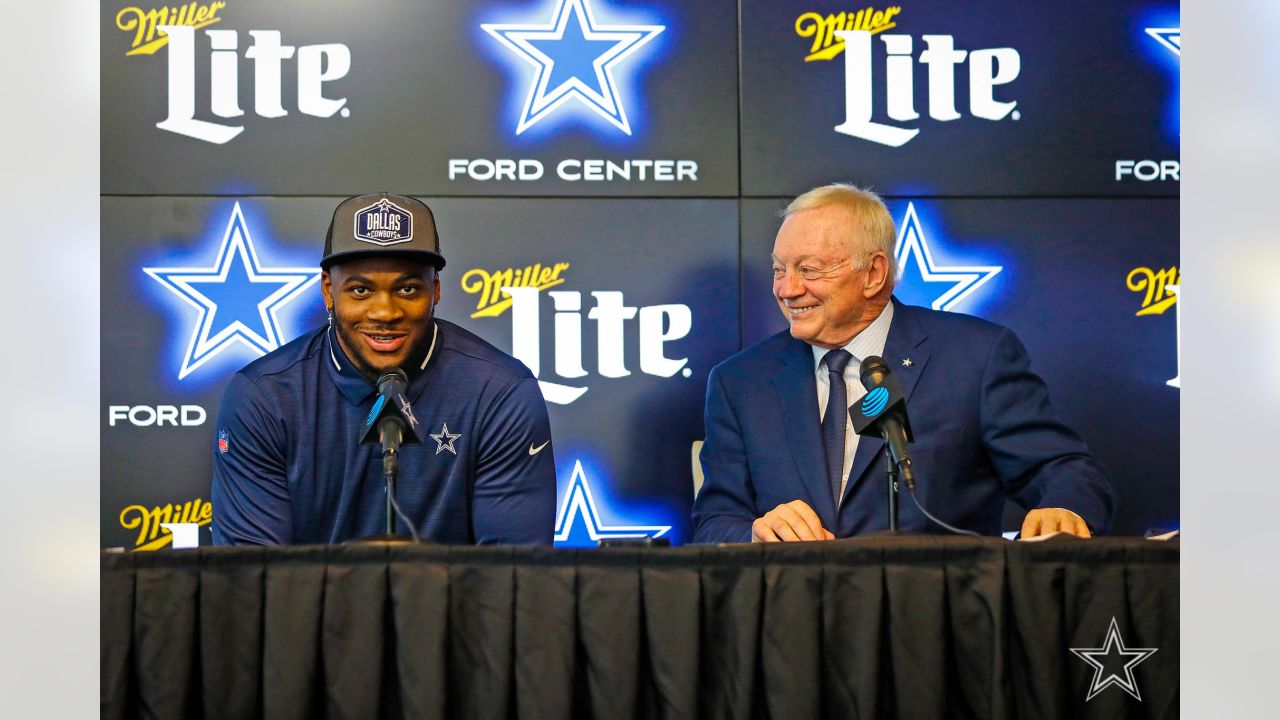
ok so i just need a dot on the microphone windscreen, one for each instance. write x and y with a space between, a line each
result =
873 370
393 380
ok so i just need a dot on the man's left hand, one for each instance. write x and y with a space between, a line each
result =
1043 521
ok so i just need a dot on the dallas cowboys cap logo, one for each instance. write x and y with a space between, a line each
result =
384 223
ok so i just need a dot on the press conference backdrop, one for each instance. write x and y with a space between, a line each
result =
624 164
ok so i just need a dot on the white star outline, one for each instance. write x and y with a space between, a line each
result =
407 409
579 501
444 440
540 103
965 278
179 280
1113 640
1170 38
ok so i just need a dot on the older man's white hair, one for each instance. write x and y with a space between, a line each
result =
870 225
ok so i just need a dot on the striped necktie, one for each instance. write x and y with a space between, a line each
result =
836 419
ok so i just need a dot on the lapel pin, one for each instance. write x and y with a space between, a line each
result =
906 362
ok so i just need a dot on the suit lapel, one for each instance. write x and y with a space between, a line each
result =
797 391
906 341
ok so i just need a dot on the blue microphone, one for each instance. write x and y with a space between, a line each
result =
391 422
883 412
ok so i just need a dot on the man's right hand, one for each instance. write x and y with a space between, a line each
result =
789 522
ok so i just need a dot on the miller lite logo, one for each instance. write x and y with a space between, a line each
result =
988 69
213 113
155 524
653 326
384 223
1159 288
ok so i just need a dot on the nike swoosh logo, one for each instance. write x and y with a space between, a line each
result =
535 450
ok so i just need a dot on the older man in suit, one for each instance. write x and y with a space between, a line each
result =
781 460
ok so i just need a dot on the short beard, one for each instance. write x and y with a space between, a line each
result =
413 361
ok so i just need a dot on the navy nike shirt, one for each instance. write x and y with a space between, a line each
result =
288 466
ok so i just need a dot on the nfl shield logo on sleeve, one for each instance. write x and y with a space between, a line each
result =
224 441
384 223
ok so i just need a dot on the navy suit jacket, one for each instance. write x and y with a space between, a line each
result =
983 424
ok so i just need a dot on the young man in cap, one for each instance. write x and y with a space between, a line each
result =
289 465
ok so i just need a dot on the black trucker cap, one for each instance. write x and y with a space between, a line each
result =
382 223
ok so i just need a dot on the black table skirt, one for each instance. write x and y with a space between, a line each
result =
908 627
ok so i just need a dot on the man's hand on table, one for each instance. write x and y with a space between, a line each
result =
1043 521
789 522
797 522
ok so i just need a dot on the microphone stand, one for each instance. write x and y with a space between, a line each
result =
386 427
891 473
390 466
391 436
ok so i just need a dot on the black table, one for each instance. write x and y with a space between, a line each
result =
907 626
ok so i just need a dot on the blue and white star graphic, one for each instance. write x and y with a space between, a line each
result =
959 281
445 439
1100 658
1160 41
1170 38
574 58
237 298
579 511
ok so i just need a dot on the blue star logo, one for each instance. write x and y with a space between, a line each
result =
573 57
1160 41
1170 38
958 281
237 299
445 439
579 512
1118 658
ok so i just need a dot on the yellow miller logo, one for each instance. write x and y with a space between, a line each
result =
488 285
144 24
148 521
1155 284
823 28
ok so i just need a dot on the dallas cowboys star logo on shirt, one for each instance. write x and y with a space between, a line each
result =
407 409
445 439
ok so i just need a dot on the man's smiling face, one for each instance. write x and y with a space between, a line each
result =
824 289
382 311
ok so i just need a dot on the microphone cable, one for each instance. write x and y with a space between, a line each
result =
405 519
952 528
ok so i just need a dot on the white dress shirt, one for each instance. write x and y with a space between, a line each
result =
865 344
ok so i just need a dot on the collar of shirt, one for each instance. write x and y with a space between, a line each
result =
353 384
863 345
